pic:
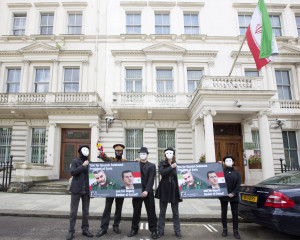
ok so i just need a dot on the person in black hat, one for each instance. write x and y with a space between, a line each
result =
80 189
109 200
233 181
148 172
168 192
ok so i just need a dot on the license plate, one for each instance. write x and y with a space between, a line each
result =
249 198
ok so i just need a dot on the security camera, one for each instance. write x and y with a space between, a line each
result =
280 122
238 103
110 118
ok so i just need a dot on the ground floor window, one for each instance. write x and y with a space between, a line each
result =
134 141
255 139
290 148
5 141
166 138
38 145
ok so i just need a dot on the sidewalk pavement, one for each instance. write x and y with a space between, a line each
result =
45 205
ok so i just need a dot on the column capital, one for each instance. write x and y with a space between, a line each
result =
26 61
297 64
85 62
118 62
55 61
247 121
149 61
97 125
207 112
180 62
264 113
211 63
52 124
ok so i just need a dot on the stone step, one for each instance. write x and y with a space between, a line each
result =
50 187
52 193
39 189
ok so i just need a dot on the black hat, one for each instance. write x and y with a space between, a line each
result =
144 150
169 149
118 146
79 150
228 156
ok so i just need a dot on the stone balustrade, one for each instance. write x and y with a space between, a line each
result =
290 104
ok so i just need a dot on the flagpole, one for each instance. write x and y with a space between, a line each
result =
237 56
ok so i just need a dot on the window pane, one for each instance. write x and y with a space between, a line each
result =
134 141
194 74
169 86
160 86
138 86
5 144
129 86
38 145
166 138
164 74
134 73
251 73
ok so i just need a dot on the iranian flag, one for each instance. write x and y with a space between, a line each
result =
260 37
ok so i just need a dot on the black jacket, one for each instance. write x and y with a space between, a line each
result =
80 176
233 182
167 190
148 173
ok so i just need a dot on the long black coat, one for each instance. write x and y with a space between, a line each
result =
168 190
233 181
148 173
80 176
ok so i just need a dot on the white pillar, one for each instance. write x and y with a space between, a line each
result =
272 85
94 138
298 79
209 135
199 139
24 82
265 145
54 77
210 65
117 85
247 135
149 85
180 78
51 143
84 76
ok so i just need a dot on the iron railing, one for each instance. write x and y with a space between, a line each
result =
5 171
286 168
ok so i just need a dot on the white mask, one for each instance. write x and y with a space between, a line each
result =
143 156
85 151
228 162
169 154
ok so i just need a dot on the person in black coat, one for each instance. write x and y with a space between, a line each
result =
80 189
148 172
233 181
168 192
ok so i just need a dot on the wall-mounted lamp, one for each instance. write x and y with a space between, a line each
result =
109 121
238 103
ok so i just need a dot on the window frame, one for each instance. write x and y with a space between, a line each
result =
271 16
165 81
46 26
160 149
135 148
289 149
13 82
245 27
7 144
71 82
41 83
134 80
162 26
256 141
134 26
19 15
283 85
74 26
191 26
41 146
195 81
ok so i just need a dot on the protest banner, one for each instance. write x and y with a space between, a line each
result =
115 179
201 180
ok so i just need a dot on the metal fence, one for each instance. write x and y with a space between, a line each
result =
5 171
286 168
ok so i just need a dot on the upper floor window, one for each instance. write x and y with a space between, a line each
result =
166 138
19 24
290 148
38 145
164 80
133 80
191 25
133 23
134 141
71 80
42 78
47 23
251 73
162 23
276 25
193 77
13 80
298 24
74 23
244 21
283 85
5 143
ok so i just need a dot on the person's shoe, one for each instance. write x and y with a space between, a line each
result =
160 234
116 229
224 233
154 235
70 236
87 233
101 233
236 234
132 233
178 235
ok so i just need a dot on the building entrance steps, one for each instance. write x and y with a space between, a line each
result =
57 187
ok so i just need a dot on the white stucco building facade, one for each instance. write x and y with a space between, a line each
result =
160 69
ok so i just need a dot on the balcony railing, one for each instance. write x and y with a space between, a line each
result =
286 104
48 98
231 83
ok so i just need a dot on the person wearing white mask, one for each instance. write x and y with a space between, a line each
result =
168 192
148 173
233 182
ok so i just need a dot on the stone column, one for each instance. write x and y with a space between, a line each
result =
199 139
247 134
117 82
94 138
271 82
54 77
180 87
209 135
51 143
265 145
84 76
149 81
210 66
298 79
24 81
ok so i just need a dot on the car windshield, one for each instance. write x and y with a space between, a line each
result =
288 178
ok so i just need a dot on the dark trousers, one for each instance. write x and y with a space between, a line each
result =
162 216
234 212
85 201
107 210
150 208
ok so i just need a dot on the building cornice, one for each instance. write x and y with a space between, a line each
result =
47 4
243 6
295 6
19 5
133 4
161 4
74 4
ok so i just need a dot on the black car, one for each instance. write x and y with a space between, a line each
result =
273 203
